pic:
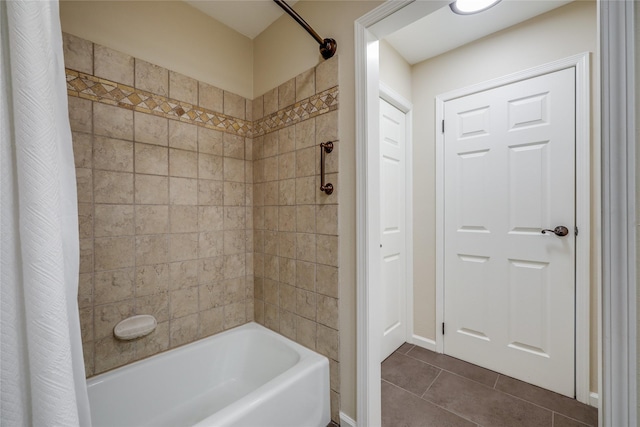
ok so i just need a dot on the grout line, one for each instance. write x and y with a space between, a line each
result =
431 384
496 383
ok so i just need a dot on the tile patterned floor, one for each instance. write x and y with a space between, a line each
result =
421 388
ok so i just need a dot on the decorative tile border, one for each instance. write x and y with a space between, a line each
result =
108 92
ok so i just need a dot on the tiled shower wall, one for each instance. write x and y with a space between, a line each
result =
295 224
164 204
165 167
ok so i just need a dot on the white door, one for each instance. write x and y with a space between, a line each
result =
392 189
509 172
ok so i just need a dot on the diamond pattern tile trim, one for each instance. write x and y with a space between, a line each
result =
108 92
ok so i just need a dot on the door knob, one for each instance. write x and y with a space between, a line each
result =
560 230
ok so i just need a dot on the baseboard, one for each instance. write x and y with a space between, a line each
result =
423 342
346 421
594 399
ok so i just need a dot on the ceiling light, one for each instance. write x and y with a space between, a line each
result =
468 7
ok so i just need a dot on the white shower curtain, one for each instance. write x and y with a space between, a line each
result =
42 380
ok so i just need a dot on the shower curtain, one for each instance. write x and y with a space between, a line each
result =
42 381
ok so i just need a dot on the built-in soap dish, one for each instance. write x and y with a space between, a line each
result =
135 327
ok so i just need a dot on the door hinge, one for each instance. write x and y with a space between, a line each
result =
576 230
442 328
443 126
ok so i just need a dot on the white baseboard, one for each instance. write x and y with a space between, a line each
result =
346 421
423 342
593 399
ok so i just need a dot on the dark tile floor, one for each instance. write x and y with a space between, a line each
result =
422 388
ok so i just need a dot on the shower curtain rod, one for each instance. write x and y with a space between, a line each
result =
327 46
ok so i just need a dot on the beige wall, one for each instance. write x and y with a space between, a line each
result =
171 34
395 71
560 33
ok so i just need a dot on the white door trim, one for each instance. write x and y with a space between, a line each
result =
583 202
619 311
404 105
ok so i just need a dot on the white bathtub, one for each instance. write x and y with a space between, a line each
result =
247 376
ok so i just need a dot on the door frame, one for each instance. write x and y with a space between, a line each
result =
406 107
582 204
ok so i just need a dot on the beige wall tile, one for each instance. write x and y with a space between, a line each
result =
233 146
327 280
151 159
234 314
271 267
211 295
248 110
111 353
210 218
306 163
184 219
183 191
183 163
183 246
86 324
210 141
258 148
86 255
287 192
287 94
116 285
112 121
288 324
112 154
183 88
151 279
82 149
151 78
151 129
334 375
234 290
327 343
112 253
89 359
233 170
155 342
211 321
306 190
272 317
287 165
151 249
270 144
258 110
327 313
325 199
85 290
157 305
270 102
210 167
234 194
234 105
114 220
271 169
305 134
113 187
287 245
305 84
80 114
271 242
152 219
183 302
151 190
287 139
271 193
327 250
306 331
210 97
234 218
306 304
183 330
287 218
335 406
327 74
271 292
271 218
306 275
84 185
183 135
113 65
258 288
211 244
183 274
234 242
288 271
327 219
306 219
85 220
211 270
288 296
234 266
258 218
327 129
78 53
107 316
210 192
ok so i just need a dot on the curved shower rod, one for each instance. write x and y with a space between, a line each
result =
327 46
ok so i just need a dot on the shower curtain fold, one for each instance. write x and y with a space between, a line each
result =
42 379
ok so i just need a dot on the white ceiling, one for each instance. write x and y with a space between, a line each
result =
248 17
444 30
